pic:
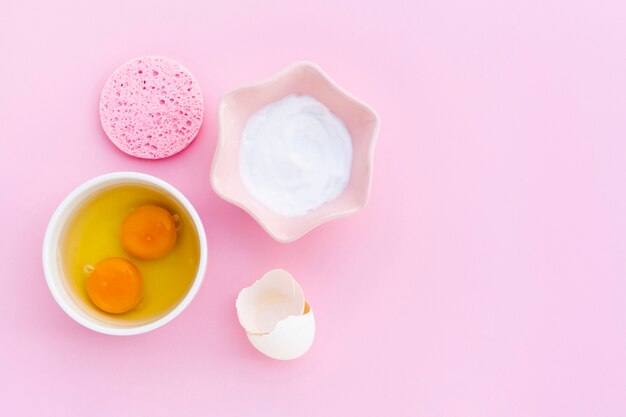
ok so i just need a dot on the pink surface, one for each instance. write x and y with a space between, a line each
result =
151 107
486 277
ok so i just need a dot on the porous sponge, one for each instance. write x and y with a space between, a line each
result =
151 107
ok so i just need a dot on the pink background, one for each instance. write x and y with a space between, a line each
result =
487 276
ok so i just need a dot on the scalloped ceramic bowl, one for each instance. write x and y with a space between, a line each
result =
235 109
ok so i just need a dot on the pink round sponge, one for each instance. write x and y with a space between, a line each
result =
151 107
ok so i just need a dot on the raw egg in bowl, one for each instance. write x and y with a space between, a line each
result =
124 253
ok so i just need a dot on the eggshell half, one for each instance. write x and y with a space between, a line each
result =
275 297
290 339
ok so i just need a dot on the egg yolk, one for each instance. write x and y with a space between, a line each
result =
115 285
149 232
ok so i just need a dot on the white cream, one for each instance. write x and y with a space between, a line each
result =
295 155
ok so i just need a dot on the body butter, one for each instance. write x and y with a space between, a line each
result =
295 155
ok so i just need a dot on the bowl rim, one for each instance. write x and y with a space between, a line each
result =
221 140
58 221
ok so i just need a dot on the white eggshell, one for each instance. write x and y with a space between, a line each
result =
290 339
269 300
276 317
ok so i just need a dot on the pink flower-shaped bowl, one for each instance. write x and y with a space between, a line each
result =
235 109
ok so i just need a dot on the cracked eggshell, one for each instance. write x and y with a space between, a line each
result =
276 317
290 339
274 297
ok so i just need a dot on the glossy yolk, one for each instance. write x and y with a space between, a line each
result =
149 232
115 285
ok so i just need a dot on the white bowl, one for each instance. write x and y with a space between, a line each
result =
52 263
